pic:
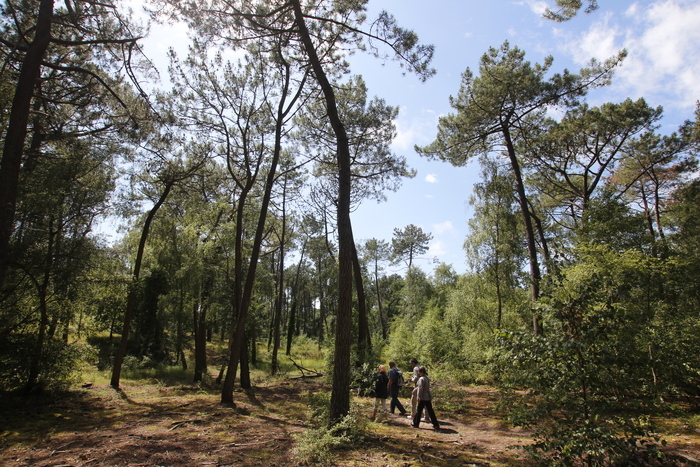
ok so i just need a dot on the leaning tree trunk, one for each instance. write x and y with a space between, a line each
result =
133 287
243 297
535 274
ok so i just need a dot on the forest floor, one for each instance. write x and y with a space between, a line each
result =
163 423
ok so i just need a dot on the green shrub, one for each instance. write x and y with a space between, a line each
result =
363 379
587 381
60 363
316 446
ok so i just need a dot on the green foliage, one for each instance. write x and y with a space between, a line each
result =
409 243
60 362
600 442
149 332
567 9
597 364
607 221
316 445
402 342
363 379
469 322
451 399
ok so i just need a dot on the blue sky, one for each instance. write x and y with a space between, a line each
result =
663 65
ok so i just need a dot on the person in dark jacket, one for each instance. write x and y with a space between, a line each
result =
381 391
394 374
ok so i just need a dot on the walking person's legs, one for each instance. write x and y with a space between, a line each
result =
431 414
396 403
414 401
419 413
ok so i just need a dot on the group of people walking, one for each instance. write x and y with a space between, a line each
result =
389 384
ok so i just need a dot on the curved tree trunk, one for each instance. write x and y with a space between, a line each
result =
133 287
535 275
244 289
340 395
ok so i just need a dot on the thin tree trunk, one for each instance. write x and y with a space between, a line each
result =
535 275
38 350
243 299
295 300
245 366
277 325
364 342
133 287
200 330
380 308
321 302
180 347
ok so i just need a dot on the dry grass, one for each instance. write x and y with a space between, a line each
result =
168 423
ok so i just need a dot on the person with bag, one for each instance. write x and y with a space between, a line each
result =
395 382
425 400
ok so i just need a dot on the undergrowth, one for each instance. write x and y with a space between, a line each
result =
318 444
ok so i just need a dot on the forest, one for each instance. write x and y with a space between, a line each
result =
233 180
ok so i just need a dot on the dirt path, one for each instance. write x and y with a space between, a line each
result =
474 436
157 425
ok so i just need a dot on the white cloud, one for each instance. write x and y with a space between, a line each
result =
598 42
632 11
536 6
431 178
663 45
437 248
444 227
412 130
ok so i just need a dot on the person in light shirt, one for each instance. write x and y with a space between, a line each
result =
425 400
414 393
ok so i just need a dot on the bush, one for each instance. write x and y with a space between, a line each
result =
60 362
363 379
589 375
317 445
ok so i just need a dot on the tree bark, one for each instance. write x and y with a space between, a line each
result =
291 323
364 343
16 134
200 329
133 287
380 308
277 325
340 393
535 275
243 297
38 350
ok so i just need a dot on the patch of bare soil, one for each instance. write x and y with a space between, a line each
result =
178 426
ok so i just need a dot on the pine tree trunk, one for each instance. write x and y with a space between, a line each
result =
13 144
340 393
